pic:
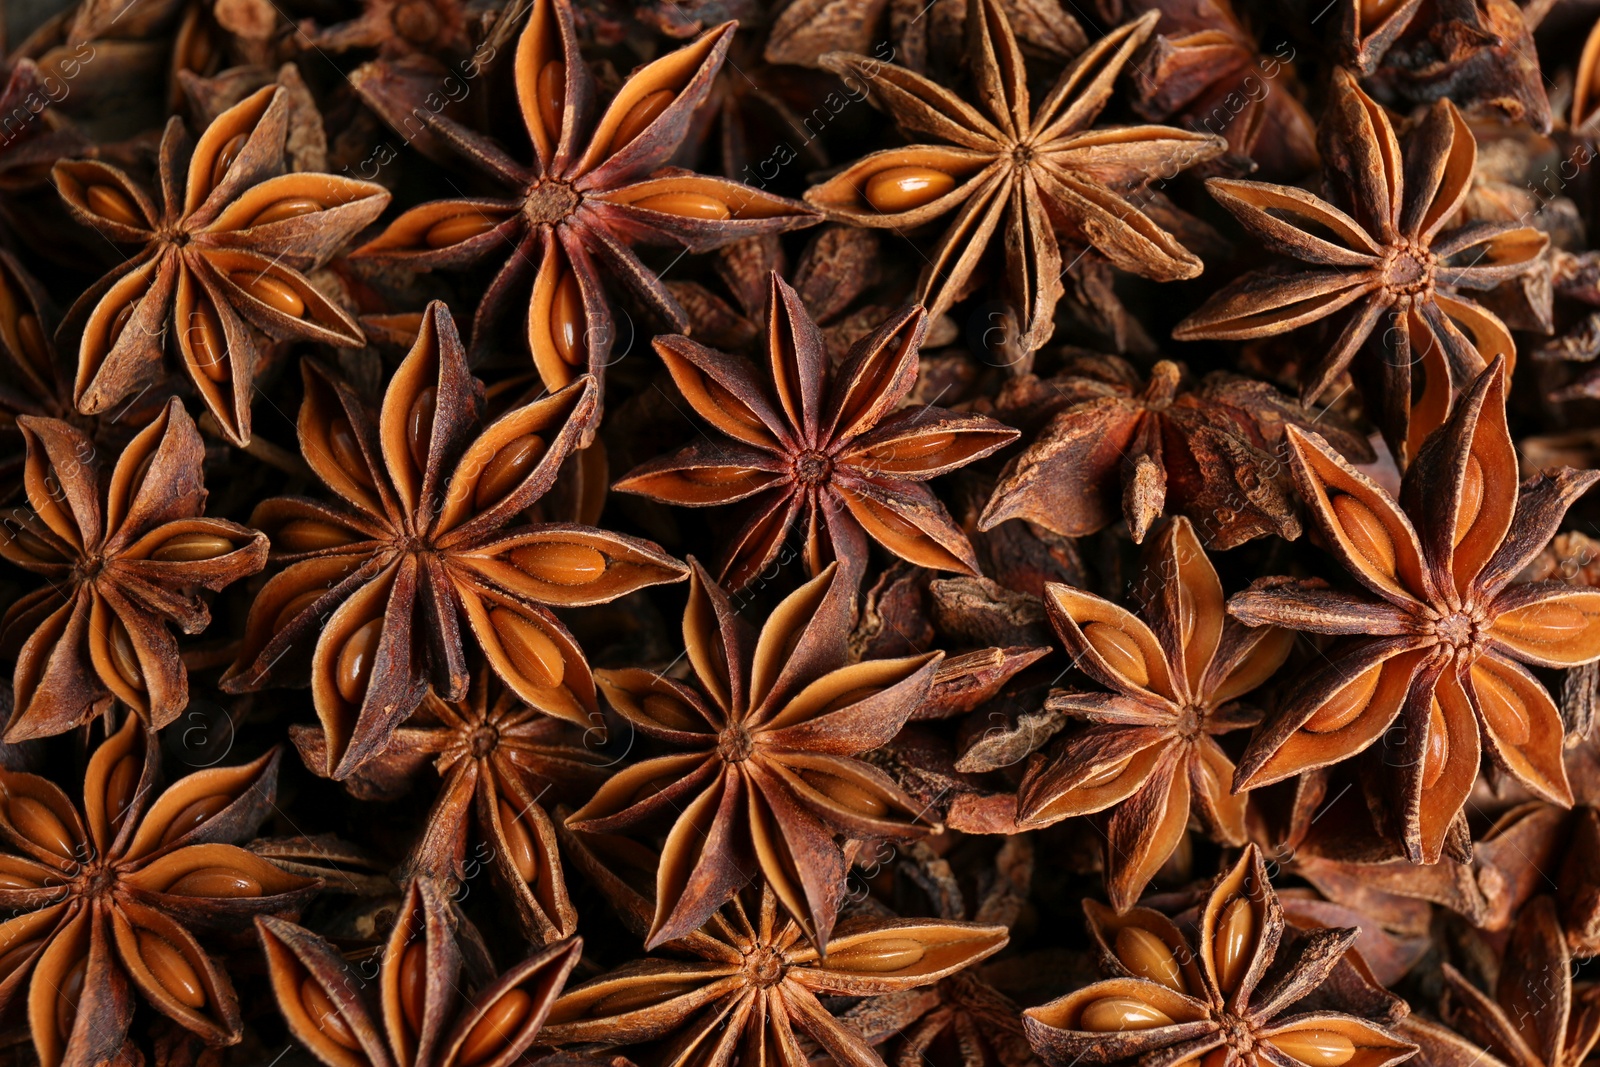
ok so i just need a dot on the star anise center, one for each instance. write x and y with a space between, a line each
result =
549 202
1240 1035
96 878
734 744
482 739
1461 630
1408 269
1190 722
764 966
812 467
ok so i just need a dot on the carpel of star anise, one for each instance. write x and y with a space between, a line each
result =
596 187
1437 673
1176 672
106 895
821 447
1014 175
125 553
1377 265
383 588
223 255
1225 996
773 732
422 1017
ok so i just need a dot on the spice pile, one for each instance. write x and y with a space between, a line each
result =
967 533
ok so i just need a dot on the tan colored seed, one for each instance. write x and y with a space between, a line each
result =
1120 650
551 88
687 205
194 815
322 1012
560 564
230 152
419 425
37 823
1368 537
354 668
497 1029
671 712
1235 942
506 470
904 188
639 116
346 451
846 794
1116 1014
216 883
1106 775
519 844
1502 707
414 985
1346 705
309 535
121 786
15 881
192 548
124 657
119 322
276 293
634 997
1436 753
457 228
112 203
567 323
1316 1048
1471 499
208 343
532 653
290 207
1147 956
174 973
880 955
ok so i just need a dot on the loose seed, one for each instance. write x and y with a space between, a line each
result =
322 1012
230 152
457 228
846 794
123 656
112 203
1120 650
290 207
639 116
560 564
37 823
194 815
687 205
506 470
174 973
531 651
1116 1014
354 668
904 188
879 955
216 883
1317 1048
1368 536
192 548
1344 706
498 1027
567 320
1147 956
419 425
273 292
208 343
1235 942
519 844
551 88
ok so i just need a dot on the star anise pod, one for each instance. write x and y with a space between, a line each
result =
222 257
1445 626
595 188
1164 445
1380 268
385 585
1225 995
106 897
1176 672
423 1017
125 553
769 773
1016 175
821 447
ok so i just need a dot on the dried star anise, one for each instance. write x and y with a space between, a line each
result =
386 584
1224 996
595 188
1164 446
125 553
423 1016
1017 178
1176 672
772 775
822 447
1445 625
223 255
1378 267
108 894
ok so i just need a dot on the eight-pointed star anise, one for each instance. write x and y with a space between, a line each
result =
595 188
106 896
1223 999
384 584
125 554
1029 176
827 448
772 775
222 255
1443 624
428 1013
1176 671
1377 265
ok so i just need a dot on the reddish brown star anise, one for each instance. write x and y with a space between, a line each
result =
1444 625
125 555
423 1017
595 188
1176 672
826 448
105 896
1014 174
385 585
772 775
1377 252
223 253
1223 999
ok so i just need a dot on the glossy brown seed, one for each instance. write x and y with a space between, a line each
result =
67 997
687 205
1369 538
38 824
1373 12
904 188
1235 942
322 1012
519 844
112 203
414 985
192 548
208 342
1344 706
846 794
31 337
347 451
194 814
911 448
672 713
1147 956
18 955
121 786
419 425
309 535
551 88
294 607
457 228
230 152
567 320
532 653
1106 775
639 116
119 322
355 661
1116 1014
507 468
1120 650
879 955
174 973
1502 708
498 1027
560 564
635 997
123 656
216 883
1316 1048
1436 753
290 207
276 293
1471 499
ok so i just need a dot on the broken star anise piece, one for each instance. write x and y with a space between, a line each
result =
382 589
596 187
1148 753
1226 997
1436 673
125 556
223 254
771 771
1377 264
105 896
826 448
1014 175
423 1016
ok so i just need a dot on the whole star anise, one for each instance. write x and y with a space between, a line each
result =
1445 627
106 896
771 773
1014 174
1149 754
382 588
222 257
595 188
125 554
826 448
423 1017
1378 265
1226 996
